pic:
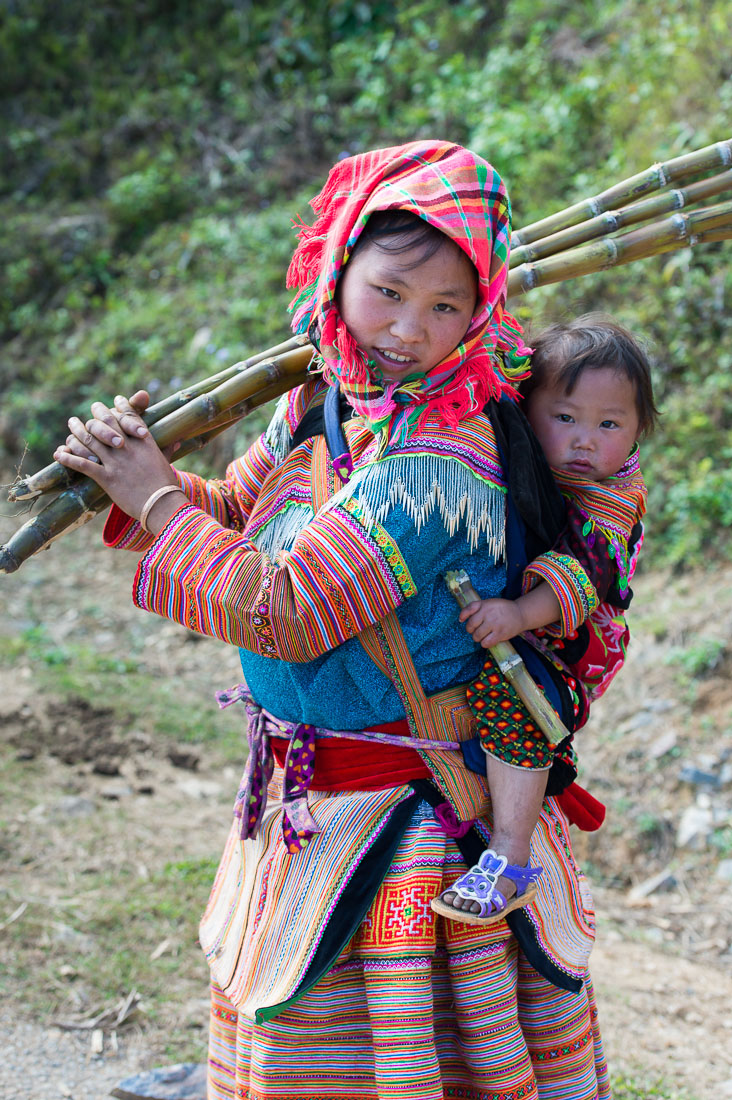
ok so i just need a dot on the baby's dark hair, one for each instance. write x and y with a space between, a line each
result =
566 349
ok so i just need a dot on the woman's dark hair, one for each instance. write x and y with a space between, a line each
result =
397 231
563 351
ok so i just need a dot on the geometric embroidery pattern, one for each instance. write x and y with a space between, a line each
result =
400 920
506 729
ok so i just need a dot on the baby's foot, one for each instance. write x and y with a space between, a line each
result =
488 891
469 905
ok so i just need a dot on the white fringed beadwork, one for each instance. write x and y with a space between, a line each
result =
278 437
280 532
422 483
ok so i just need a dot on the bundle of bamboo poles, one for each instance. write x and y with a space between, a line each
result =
642 216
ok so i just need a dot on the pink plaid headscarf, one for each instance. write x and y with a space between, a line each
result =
458 193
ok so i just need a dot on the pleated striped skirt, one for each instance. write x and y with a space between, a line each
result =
416 1008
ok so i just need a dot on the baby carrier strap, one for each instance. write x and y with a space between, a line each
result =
441 717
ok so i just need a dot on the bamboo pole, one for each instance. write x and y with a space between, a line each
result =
678 198
206 409
711 157
182 397
678 231
71 508
215 411
55 476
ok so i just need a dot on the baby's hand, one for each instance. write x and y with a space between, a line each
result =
492 621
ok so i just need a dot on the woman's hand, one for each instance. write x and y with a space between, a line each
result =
115 449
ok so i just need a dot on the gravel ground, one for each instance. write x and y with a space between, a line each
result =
40 1063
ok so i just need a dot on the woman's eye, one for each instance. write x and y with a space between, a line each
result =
444 307
388 292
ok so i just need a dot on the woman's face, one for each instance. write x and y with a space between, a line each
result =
405 313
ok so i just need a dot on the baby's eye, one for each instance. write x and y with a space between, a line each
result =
564 418
608 424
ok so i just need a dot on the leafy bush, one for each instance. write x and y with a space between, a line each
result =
139 202
151 162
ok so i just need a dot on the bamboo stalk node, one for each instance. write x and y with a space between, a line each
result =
588 236
509 662
725 151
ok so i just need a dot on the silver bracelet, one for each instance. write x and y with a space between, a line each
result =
152 500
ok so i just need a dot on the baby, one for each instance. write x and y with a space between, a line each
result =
589 400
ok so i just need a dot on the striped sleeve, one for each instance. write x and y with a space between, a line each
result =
340 576
229 501
571 585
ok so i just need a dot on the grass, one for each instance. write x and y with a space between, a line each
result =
173 710
632 1087
106 911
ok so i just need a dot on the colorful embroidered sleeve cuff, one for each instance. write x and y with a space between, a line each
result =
230 501
339 578
121 532
570 584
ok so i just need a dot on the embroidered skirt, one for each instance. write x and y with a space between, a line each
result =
410 1006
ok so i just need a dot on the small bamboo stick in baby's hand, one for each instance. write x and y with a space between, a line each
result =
512 667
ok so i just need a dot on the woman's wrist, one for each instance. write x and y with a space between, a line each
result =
159 508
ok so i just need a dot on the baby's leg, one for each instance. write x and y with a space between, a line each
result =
516 795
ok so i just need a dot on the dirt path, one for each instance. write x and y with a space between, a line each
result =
664 1017
108 841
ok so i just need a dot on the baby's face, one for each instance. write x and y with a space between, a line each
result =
590 431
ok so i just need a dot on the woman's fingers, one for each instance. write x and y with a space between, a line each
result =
72 445
127 411
139 401
76 455
90 466
95 434
103 426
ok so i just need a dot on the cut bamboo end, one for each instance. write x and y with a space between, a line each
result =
71 508
512 666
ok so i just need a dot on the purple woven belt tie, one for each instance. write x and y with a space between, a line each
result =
298 824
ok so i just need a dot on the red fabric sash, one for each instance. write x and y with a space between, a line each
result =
581 808
342 765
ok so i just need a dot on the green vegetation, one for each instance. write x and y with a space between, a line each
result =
81 671
699 659
630 1088
152 157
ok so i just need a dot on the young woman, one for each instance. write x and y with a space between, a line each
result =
322 555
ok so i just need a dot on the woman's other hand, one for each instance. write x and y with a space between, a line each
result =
116 450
